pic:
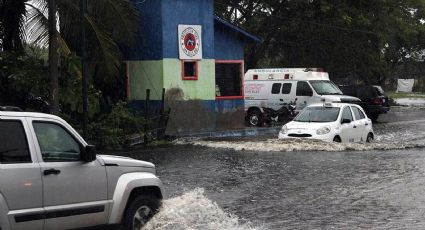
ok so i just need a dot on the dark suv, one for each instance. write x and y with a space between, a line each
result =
374 100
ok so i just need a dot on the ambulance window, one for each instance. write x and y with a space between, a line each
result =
286 88
303 89
276 88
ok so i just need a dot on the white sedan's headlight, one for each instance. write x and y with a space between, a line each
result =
284 130
323 130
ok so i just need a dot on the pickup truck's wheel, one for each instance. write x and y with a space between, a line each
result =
139 212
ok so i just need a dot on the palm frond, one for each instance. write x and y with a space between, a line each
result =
37 26
117 12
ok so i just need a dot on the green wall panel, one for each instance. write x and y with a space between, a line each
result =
203 88
167 73
145 75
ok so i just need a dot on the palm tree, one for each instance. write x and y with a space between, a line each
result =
110 24
12 19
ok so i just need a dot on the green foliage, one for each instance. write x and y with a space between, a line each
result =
22 75
366 40
112 130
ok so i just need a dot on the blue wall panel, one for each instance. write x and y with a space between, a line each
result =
228 44
148 45
188 12
224 106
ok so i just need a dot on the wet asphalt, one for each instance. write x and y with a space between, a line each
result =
374 189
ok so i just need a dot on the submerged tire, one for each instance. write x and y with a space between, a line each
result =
140 211
337 139
254 118
369 138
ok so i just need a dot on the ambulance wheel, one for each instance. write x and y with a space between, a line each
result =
254 118
337 139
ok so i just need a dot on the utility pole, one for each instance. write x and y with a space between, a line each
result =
53 58
83 9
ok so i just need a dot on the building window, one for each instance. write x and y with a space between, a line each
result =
228 79
190 70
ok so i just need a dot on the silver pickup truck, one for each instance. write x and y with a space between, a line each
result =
50 178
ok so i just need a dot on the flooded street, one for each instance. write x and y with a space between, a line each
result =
270 184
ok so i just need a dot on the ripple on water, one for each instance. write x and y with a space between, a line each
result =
193 210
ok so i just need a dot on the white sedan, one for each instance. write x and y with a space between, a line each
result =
338 122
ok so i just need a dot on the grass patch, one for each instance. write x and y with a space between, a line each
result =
395 95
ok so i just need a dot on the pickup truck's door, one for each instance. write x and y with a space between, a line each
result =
75 192
20 180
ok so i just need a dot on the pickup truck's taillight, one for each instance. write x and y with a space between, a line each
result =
376 101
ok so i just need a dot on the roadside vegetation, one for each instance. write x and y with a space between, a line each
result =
393 94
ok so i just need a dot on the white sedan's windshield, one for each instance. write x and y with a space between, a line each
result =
325 88
318 114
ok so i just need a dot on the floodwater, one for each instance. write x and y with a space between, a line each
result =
263 184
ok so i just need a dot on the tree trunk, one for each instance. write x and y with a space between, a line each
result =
53 58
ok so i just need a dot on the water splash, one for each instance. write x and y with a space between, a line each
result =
396 135
299 145
193 211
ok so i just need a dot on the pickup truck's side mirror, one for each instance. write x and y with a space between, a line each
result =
89 153
345 121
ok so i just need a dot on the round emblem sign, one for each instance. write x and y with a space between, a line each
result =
189 41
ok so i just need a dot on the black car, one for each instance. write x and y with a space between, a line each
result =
374 100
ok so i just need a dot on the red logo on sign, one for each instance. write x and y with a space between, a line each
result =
190 42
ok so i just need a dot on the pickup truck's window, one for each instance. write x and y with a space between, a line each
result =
56 144
14 144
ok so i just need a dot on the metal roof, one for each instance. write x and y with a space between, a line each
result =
237 29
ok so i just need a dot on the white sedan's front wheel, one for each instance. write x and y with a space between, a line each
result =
369 138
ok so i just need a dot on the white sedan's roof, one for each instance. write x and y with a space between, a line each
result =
329 104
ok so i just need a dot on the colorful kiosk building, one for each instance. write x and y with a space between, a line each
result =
196 57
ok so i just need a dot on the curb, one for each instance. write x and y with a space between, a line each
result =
247 132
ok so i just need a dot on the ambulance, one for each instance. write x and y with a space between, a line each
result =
276 88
